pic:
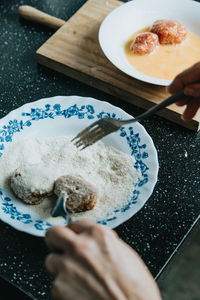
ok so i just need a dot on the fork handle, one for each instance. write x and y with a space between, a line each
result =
170 100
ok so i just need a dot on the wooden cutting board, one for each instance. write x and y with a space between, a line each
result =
74 50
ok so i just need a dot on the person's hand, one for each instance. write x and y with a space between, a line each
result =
90 262
189 81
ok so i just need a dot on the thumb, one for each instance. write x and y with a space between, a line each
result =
81 226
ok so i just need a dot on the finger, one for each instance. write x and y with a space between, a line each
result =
190 111
175 86
192 90
92 229
62 289
59 238
183 102
52 263
186 77
81 225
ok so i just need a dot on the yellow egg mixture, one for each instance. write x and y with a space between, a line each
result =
166 61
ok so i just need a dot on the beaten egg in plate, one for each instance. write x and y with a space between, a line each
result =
121 26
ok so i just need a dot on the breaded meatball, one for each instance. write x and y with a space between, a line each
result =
32 183
169 32
81 195
144 43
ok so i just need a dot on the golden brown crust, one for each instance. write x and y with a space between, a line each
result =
169 32
144 43
81 195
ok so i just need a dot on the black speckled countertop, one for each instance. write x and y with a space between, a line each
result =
159 228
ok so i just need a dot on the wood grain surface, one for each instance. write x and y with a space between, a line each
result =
74 50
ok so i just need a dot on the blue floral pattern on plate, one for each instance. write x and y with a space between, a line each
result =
86 111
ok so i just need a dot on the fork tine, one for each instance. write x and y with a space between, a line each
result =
93 136
82 140
85 131
94 140
88 133
92 132
95 133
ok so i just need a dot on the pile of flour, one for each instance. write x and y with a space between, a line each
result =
105 167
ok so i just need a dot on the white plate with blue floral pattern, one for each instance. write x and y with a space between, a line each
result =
67 115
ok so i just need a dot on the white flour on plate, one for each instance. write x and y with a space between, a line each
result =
112 172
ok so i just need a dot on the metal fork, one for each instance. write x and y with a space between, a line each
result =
60 209
105 126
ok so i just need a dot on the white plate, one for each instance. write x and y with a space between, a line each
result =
67 115
130 17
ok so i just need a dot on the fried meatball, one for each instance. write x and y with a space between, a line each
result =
144 43
32 183
169 32
81 195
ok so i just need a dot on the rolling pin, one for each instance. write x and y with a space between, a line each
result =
35 15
